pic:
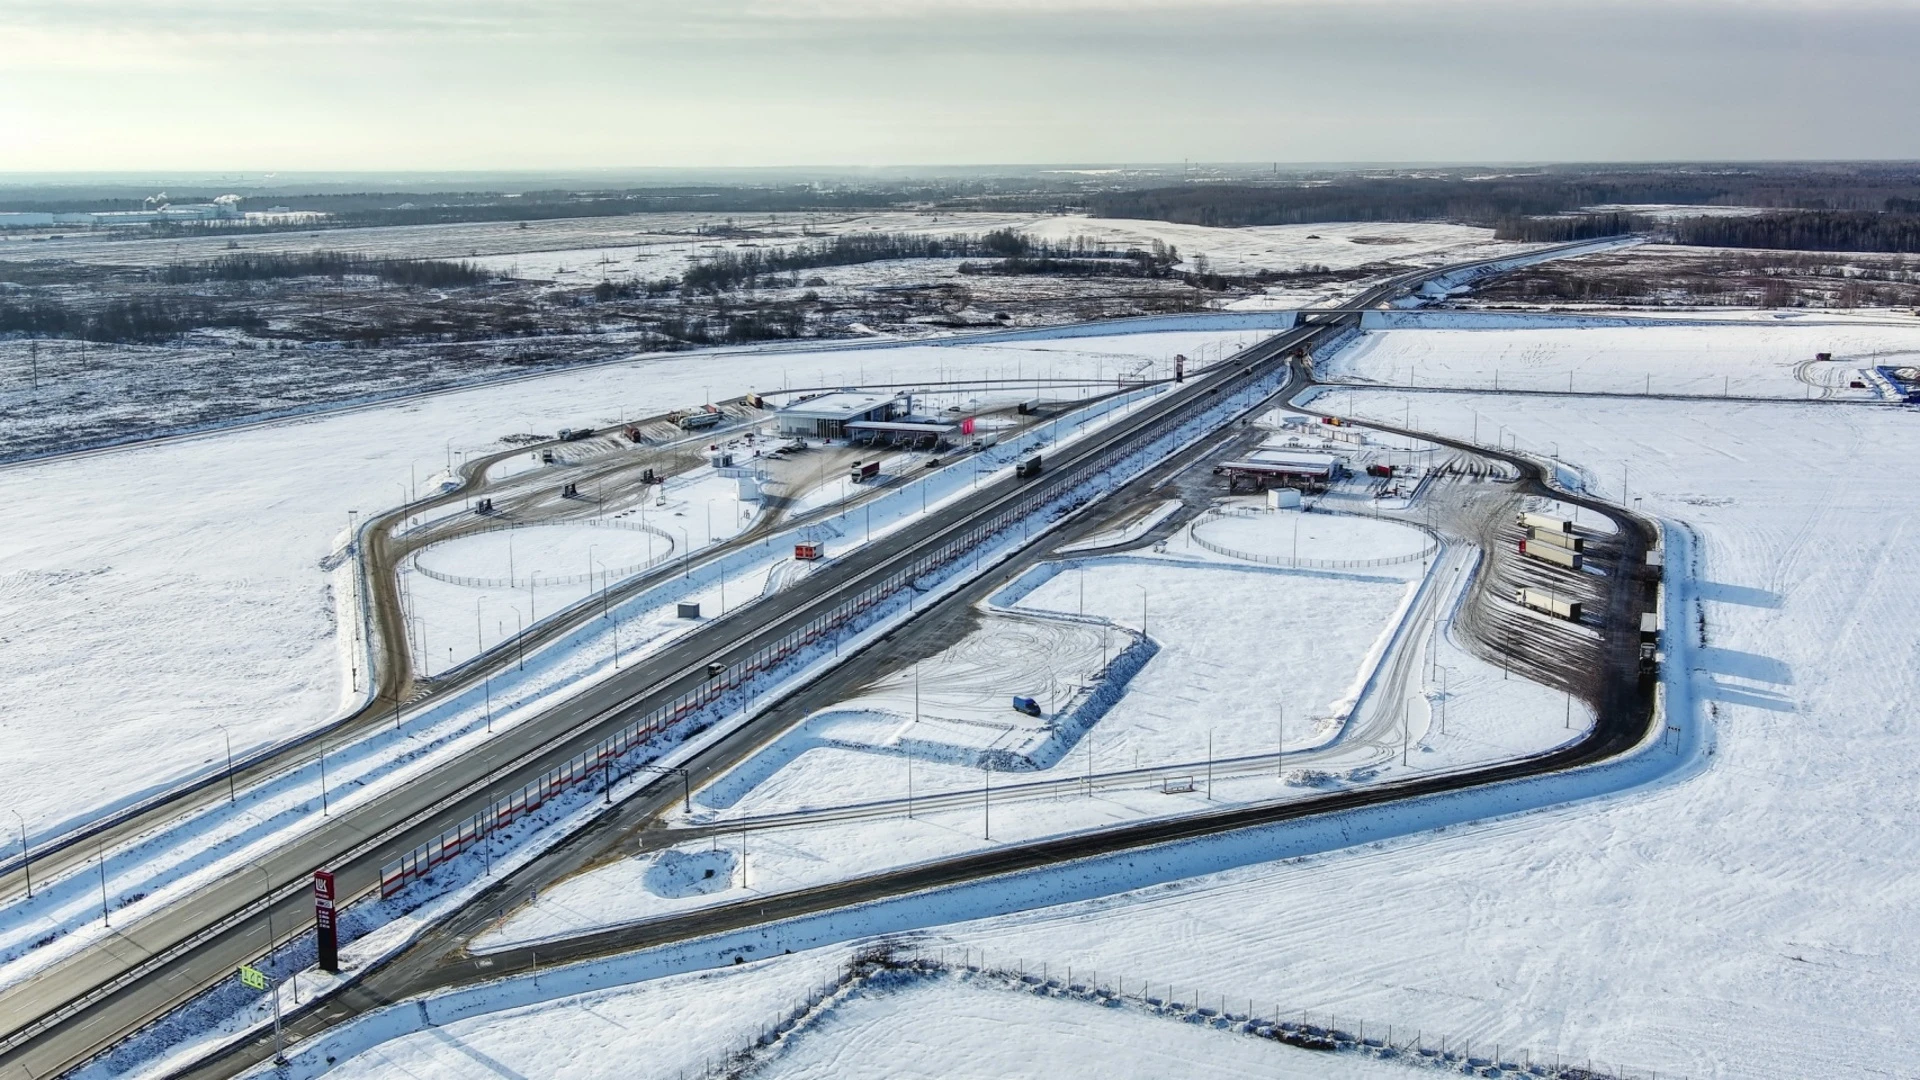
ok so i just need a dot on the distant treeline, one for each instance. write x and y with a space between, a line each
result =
1806 231
273 266
1490 199
124 321
728 270
1566 228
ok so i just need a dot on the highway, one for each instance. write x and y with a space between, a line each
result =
74 1009
439 959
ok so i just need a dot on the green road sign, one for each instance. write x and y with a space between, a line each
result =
253 976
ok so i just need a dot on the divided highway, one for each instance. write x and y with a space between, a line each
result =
77 1008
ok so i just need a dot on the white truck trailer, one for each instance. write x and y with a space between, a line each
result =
1551 553
1550 603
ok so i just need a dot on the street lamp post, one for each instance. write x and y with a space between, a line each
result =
228 736
279 1049
26 860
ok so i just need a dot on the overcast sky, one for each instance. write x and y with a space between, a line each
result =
489 84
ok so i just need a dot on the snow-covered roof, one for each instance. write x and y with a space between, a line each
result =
841 406
925 427
1303 458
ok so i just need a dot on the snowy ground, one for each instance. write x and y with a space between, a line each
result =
947 1029
201 599
674 1027
1752 358
1750 921
1193 729
1747 916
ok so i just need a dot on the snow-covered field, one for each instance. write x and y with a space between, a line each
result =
1195 728
1751 920
947 1030
1752 358
156 593
658 245
1336 246
1747 916
677 1026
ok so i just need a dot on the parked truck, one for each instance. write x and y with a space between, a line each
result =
1558 538
1384 472
1550 603
1542 521
575 434
806 551
1550 553
701 418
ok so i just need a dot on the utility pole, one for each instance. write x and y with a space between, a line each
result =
232 798
26 858
987 804
323 783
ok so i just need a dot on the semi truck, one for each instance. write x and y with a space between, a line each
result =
1028 468
1550 553
703 418
862 471
1550 603
1558 539
1542 521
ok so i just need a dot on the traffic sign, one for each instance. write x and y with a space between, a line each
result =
253 977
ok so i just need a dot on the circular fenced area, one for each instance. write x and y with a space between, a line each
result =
560 553
1311 541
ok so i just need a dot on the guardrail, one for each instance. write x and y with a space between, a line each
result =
1193 533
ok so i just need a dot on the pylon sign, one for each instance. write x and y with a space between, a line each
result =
328 937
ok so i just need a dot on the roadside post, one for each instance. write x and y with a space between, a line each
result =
255 979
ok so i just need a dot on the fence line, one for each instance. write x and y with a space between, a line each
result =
611 573
1193 533
889 967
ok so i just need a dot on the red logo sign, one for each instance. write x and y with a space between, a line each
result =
966 426
323 887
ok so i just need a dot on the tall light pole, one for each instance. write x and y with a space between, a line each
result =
26 860
986 804
232 798
273 988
